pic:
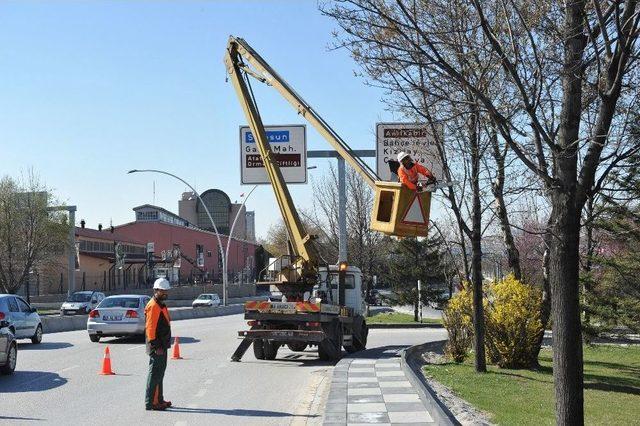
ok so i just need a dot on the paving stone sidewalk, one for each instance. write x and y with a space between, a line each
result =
375 390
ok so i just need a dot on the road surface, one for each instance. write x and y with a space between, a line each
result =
57 382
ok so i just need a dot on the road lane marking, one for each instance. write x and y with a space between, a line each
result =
68 368
201 393
136 347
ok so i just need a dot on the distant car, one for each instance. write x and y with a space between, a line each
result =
118 316
8 349
23 320
275 296
206 300
81 302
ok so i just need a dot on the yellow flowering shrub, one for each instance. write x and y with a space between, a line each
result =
457 319
513 324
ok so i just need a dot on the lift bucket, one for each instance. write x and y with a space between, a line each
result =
399 211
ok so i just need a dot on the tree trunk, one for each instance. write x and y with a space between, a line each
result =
545 307
565 307
513 255
476 247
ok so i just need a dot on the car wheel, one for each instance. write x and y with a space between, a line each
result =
94 338
37 337
12 359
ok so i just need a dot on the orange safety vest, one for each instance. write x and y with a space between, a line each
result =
409 177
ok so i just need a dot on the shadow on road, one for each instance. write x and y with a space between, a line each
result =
185 340
236 412
18 418
31 381
44 346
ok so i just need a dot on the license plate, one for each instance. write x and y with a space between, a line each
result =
71 312
282 308
112 318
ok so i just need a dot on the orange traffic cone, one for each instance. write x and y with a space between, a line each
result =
176 349
106 363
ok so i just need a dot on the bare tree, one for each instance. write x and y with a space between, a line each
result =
30 235
568 69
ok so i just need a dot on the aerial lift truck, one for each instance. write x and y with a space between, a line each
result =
323 304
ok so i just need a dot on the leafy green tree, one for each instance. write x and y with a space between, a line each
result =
414 259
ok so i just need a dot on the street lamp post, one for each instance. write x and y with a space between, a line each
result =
215 228
233 225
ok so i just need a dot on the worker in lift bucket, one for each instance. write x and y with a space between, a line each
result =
158 342
409 173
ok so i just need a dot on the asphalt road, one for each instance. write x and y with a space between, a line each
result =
57 382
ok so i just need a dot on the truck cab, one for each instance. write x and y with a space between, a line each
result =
352 290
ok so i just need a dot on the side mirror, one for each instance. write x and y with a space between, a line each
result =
94 300
4 324
34 310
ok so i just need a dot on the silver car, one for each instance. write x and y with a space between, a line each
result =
8 349
24 321
81 302
118 316
206 300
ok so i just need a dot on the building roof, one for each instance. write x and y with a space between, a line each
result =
151 206
106 234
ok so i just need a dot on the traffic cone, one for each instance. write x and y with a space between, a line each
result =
106 363
176 349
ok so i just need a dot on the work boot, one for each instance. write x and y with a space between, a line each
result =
166 403
158 407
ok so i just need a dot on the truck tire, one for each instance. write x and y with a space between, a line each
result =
359 335
330 349
258 349
270 350
297 346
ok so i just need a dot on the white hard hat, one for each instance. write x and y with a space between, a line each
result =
402 155
161 284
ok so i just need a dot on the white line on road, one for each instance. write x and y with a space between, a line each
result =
68 368
136 347
201 393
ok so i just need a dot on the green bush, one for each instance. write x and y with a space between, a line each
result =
457 319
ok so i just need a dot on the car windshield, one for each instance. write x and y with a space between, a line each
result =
204 297
120 302
79 297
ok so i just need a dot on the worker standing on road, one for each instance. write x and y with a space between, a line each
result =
158 342
409 172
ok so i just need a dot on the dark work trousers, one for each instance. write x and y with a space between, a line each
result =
157 366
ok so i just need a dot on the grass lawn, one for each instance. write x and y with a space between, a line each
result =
523 397
398 318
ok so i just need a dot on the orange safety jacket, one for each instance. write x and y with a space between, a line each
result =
409 177
157 326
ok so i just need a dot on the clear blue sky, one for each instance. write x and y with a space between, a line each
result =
91 89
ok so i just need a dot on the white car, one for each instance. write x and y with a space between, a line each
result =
81 302
206 300
118 316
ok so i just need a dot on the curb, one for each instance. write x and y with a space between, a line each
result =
411 363
408 325
56 324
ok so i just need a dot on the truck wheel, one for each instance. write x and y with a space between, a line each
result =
330 349
270 350
361 335
258 349
297 346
